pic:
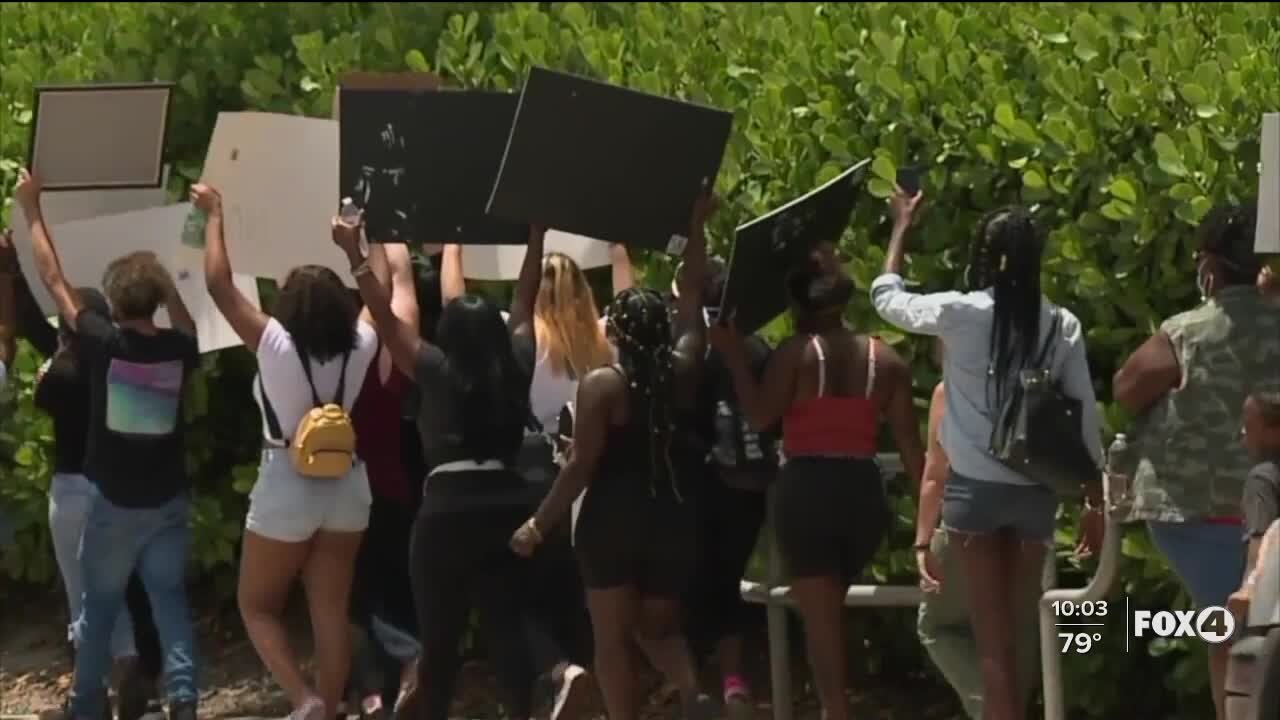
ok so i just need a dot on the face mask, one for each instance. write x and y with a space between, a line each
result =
1204 282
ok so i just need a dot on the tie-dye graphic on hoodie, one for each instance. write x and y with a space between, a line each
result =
143 398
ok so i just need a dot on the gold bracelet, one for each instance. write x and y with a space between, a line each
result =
532 524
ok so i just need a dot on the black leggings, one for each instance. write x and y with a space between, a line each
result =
729 522
460 561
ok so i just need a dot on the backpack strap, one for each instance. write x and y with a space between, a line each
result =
342 379
871 365
268 412
1050 341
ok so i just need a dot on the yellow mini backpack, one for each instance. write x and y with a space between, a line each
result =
324 443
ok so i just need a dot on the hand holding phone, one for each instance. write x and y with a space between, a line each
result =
909 179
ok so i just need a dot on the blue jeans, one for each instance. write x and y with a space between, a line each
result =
115 541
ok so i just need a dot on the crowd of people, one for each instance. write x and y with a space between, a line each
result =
591 486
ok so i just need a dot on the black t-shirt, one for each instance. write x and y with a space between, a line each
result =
1261 498
734 445
440 420
64 393
136 453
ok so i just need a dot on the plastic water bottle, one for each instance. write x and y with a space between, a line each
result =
193 228
1121 462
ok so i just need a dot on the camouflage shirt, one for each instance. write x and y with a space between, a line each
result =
1192 464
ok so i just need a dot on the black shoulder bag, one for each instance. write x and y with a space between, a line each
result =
1039 433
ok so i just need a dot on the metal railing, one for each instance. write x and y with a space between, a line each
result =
777 597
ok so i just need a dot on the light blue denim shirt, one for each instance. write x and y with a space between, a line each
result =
963 321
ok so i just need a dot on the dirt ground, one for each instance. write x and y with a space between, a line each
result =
35 671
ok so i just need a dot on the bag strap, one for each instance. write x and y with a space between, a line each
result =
1049 342
342 379
273 422
822 365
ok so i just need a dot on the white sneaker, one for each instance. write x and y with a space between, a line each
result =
572 693
311 709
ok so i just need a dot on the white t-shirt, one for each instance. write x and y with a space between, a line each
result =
550 392
286 383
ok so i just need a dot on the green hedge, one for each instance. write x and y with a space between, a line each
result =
1123 122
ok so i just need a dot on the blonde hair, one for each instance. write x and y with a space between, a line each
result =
136 285
567 321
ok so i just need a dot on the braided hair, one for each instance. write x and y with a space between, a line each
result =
1005 258
638 322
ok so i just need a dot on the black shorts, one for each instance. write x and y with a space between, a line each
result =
831 515
626 536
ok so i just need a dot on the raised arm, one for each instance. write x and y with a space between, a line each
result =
247 320
526 294
909 311
624 273
400 338
762 403
27 193
453 284
393 266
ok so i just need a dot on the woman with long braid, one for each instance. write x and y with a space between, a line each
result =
1003 520
635 532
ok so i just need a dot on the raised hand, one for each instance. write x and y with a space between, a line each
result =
703 208
346 233
206 198
904 207
27 193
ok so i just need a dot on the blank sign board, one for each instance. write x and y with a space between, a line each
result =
608 162
1267 239
503 262
99 136
278 175
767 249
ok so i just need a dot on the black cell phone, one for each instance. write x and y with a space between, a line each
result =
909 178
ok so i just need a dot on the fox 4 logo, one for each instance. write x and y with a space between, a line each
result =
1213 624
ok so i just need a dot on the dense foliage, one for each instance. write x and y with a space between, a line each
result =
1122 122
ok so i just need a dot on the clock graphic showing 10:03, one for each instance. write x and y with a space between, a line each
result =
1083 609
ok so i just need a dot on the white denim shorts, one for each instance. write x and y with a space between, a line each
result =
288 507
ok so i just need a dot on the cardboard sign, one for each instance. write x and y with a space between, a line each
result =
462 137
66 207
1267 238
99 136
85 248
767 249
503 262
607 162
278 176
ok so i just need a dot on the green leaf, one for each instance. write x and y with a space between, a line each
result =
1033 179
1059 130
1123 105
879 187
1207 111
1004 116
793 96
889 79
1166 148
26 456
885 169
1117 210
575 14
385 38
1023 131
1121 189
1183 191
1194 94
416 61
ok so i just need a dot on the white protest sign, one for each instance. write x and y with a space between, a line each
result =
1267 238
278 176
64 207
503 262
86 247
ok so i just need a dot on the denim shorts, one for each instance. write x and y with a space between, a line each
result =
981 507
1207 557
